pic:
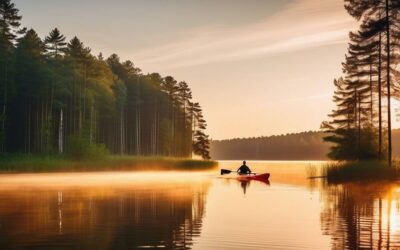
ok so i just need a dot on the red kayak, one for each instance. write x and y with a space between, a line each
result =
258 177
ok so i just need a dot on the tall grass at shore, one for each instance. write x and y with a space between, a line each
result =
54 163
338 172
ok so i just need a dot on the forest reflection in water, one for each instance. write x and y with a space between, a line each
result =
167 215
362 215
178 210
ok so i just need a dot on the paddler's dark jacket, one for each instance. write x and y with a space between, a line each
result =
244 170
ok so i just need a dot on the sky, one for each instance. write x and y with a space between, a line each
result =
257 67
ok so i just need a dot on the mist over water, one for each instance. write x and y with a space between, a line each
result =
196 210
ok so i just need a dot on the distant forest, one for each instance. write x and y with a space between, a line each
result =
297 146
57 97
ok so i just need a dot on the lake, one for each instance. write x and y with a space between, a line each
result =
197 210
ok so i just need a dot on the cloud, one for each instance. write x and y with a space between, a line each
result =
300 25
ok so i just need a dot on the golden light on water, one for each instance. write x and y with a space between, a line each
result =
98 179
391 212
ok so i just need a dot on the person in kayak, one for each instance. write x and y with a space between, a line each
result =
244 169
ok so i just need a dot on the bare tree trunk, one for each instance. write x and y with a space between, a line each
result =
26 128
157 131
3 125
122 132
29 126
388 84
47 124
41 127
173 132
136 132
60 134
371 94
73 107
36 135
91 125
137 118
193 132
153 125
139 131
79 107
94 125
84 94
359 124
380 96
131 137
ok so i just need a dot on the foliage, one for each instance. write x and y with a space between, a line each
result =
340 172
360 125
57 163
296 146
80 149
56 94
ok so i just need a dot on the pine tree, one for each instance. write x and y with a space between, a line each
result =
10 20
32 89
55 49
55 43
341 128
385 12
9 30
64 97
201 143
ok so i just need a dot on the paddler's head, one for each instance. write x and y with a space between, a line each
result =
244 162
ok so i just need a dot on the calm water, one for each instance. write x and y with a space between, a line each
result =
197 211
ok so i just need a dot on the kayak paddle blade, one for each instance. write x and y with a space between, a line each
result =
225 171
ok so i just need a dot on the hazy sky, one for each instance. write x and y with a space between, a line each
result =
257 67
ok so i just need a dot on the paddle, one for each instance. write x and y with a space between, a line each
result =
226 171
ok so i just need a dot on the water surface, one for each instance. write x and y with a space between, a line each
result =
196 210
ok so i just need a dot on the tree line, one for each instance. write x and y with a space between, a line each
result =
55 95
296 146
361 124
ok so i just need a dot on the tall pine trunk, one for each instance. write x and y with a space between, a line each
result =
137 131
359 124
60 133
371 95
388 84
122 150
3 125
380 97
91 125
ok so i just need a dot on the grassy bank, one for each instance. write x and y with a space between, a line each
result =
34 163
339 172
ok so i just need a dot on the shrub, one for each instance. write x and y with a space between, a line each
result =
80 149
361 171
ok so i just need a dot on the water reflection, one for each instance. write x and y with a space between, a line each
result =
153 216
245 184
362 215
167 210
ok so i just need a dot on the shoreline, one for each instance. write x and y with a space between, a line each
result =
354 171
41 164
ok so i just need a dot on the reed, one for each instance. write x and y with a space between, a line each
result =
338 172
